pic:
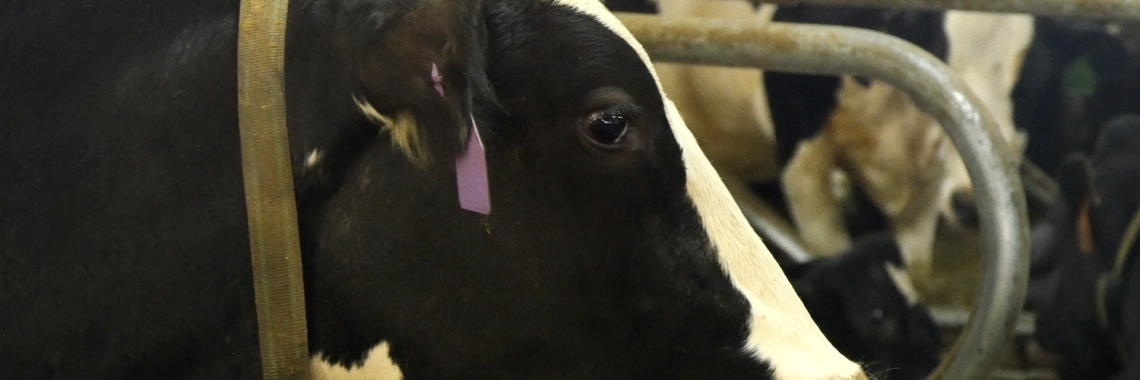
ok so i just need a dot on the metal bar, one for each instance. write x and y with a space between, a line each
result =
1085 9
1039 185
271 208
956 318
830 50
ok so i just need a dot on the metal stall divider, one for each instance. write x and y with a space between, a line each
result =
811 49
1086 9
271 207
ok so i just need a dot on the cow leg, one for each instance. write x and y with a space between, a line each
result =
815 210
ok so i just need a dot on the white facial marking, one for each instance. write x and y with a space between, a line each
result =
313 158
370 111
781 332
902 282
377 366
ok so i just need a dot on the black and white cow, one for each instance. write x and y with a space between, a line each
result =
612 250
811 135
1090 319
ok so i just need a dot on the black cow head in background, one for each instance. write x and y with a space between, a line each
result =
864 303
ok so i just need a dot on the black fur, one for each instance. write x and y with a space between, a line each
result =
123 245
862 312
1076 77
635 6
1067 321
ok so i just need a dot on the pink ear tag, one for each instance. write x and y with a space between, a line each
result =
471 175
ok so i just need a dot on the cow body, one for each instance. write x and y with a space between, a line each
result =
1077 76
610 251
1090 319
729 104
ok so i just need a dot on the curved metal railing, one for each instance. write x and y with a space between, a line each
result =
813 49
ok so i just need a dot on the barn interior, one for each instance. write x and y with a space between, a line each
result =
948 187
1057 74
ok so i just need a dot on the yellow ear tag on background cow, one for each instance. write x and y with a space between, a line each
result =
1084 230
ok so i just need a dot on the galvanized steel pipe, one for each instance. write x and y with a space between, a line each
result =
831 50
1086 9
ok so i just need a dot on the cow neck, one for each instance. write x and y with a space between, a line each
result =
1108 285
271 208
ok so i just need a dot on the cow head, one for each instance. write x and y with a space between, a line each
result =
613 250
864 302
1065 296
1098 200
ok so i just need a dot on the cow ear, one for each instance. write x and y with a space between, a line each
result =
877 249
1074 179
414 64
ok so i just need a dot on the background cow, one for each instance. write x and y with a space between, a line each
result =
1093 321
1077 76
613 250
897 156
829 142
865 304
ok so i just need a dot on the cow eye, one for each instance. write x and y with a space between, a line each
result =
607 127
610 122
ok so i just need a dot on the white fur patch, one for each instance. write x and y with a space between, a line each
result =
401 128
781 332
377 366
902 282
987 50
313 158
